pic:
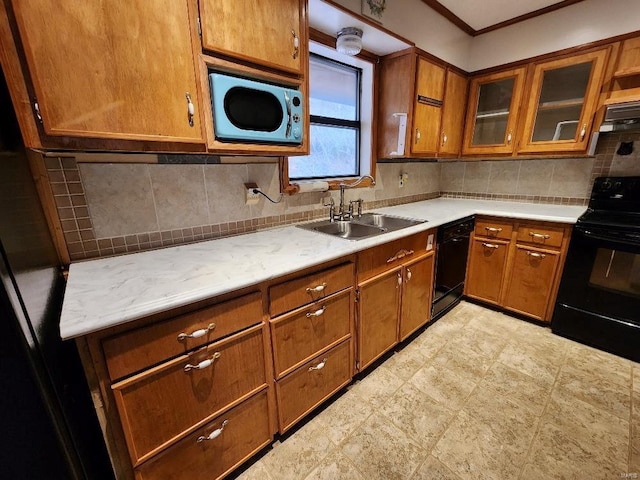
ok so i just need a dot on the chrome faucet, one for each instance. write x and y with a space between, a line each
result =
342 215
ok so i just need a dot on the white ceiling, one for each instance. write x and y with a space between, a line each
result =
479 14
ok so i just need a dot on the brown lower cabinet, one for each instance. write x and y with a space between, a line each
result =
517 264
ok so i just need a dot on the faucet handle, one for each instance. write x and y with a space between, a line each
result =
331 206
360 201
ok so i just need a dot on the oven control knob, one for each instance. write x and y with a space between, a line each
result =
606 185
297 133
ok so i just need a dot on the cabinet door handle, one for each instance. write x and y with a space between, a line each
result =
317 313
536 254
509 137
319 366
490 245
583 132
399 279
296 44
203 364
197 333
417 135
401 254
444 138
317 289
409 274
190 109
213 435
493 229
539 235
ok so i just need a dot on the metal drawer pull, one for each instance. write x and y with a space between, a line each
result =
319 366
493 229
409 274
317 289
203 364
197 334
317 313
536 255
401 254
490 245
213 435
399 279
539 235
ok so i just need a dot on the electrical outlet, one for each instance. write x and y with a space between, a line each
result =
251 198
402 179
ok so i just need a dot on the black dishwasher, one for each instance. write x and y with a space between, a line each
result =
451 265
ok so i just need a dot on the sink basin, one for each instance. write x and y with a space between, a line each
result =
389 222
365 226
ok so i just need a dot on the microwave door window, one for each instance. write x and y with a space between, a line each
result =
616 271
253 110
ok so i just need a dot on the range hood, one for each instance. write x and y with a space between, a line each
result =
621 117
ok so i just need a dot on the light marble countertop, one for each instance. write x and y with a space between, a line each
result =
109 291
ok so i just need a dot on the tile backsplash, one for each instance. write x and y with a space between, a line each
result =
114 208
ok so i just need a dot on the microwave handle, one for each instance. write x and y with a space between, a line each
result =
287 101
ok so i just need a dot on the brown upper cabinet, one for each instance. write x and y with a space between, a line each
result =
270 34
107 71
563 96
492 112
413 85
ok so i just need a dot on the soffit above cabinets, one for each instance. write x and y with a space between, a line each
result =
329 18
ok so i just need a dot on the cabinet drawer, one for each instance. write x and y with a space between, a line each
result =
132 351
295 293
304 389
378 259
303 333
543 235
245 432
492 228
160 404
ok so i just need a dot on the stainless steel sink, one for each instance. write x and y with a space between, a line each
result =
365 226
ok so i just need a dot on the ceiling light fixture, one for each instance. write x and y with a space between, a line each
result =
349 41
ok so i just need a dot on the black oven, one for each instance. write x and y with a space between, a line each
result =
599 297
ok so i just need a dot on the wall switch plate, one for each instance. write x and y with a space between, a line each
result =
251 198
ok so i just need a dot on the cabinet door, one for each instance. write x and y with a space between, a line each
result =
453 111
117 70
266 33
493 103
428 107
378 316
417 292
485 269
564 96
531 280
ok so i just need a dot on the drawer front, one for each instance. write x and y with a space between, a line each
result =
494 228
135 350
303 333
287 296
245 432
378 259
543 235
162 403
304 389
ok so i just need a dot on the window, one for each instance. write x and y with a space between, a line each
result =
340 104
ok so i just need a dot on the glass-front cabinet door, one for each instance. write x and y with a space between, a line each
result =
564 95
494 99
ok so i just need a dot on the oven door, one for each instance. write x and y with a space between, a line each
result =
602 274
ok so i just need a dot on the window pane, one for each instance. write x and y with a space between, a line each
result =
333 90
333 154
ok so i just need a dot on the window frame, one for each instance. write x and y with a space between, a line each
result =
366 167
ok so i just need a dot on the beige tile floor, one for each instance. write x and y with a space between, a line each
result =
478 395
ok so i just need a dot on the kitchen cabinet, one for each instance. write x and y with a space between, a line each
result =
395 284
113 71
271 34
563 95
432 98
312 330
453 114
175 389
516 264
492 112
